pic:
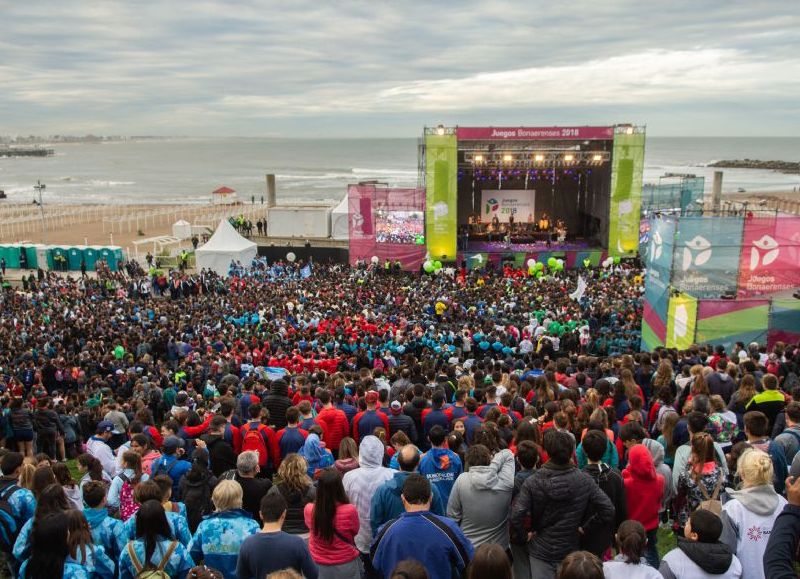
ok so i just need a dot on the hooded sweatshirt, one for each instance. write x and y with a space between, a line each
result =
360 485
441 466
694 560
644 488
480 500
387 503
657 452
747 520
316 455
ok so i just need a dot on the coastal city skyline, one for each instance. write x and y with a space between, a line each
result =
340 70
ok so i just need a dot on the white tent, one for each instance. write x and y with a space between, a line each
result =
182 229
340 220
225 245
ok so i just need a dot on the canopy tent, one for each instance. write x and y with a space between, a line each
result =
223 195
182 229
225 245
340 220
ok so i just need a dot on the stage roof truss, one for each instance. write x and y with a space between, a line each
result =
535 159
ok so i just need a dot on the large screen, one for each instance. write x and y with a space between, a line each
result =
504 203
400 227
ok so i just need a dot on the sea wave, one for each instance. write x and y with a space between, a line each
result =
103 183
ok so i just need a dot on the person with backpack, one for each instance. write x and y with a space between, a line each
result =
333 525
259 438
171 463
151 491
789 439
220 452
154 553
50 552
756 429
17 504
220 535
120 493
196 487
84 551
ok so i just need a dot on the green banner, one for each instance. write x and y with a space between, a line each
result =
627 164
441 165
681 321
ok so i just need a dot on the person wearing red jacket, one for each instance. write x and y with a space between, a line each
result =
644 489
333 422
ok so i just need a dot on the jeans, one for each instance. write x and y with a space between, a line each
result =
522 563
542 569
651 551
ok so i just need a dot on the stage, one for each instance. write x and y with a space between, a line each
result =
479 255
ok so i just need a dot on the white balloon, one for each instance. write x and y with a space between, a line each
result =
531 262
291 256
375 259
560 262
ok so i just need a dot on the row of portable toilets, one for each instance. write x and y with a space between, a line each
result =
34 256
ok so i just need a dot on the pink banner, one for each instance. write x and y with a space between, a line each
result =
387 223
534 133
770 258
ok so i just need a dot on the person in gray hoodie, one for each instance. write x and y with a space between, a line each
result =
657 452
481 497
749 514
360 485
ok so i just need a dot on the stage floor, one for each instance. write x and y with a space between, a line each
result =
500 247
576 254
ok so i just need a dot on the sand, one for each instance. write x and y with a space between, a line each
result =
120 225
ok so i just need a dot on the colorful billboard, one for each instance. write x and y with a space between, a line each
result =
726 322
770 255
534 133
502 203
784 322
441 207
627 164
706 256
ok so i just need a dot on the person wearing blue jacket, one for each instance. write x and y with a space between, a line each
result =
434 541
107 531
387 502
50 552
219 536
440 465
316 455
171 464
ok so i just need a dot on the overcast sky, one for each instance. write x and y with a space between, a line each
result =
375 68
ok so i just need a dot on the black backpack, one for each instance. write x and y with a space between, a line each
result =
197 498
9 528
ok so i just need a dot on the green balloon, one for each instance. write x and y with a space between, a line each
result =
559 267
437 265
531 270
587 262
539 266
539 275
551 262
119 352
616 260
428 266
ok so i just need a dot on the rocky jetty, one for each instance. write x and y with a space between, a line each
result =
780 166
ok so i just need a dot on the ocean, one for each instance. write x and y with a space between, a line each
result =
186 170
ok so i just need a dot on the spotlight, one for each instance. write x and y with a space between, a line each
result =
538 157
508 158
440 130
478 158
629 131
569 158
597 158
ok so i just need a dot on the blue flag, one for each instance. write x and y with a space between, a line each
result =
305 273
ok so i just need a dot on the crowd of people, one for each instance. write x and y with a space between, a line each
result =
405 426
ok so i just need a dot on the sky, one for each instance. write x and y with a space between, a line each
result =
343 68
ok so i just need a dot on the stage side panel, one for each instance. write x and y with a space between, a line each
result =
726 322
626 193
362 225
784 322
441 164
770 257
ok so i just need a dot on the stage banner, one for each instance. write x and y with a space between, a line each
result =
534 133
441 164
654 329
726 322
657 256
627 164
503 203
706 256
770 257
681 321
784 322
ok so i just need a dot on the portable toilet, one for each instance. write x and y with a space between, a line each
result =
44 257
111 256
3 247
56 251
32 255
91 254
12 256
75 257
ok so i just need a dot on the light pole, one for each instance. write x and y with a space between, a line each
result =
40 187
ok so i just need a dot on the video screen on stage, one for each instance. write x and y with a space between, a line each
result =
407 227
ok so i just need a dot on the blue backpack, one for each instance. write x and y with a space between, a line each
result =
9 528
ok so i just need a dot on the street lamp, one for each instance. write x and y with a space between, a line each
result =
40 187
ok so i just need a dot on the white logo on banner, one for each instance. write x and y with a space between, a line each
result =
656 247
696 252
440 210
681 322
770 248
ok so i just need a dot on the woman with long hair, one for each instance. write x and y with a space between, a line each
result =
489 560
122 486
92 470
83 550
43 477
703 478
71 489
631 387
755 505
196 488
50 552
293 482
630 562
666 439
333 525
742 396
348 455
153 547
699 385
20 419
50 501
142 445
219 536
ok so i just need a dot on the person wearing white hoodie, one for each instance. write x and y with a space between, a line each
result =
360 485
481 497
750 513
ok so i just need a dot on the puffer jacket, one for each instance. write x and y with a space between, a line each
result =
277 402
557 498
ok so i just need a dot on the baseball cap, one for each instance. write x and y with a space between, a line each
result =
105 426
173 443
396 407
371 397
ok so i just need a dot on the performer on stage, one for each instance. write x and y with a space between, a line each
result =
544 222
